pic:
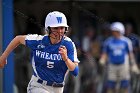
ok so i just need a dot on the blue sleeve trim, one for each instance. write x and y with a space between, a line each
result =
75 71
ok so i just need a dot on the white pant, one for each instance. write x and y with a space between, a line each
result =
35 87
118 72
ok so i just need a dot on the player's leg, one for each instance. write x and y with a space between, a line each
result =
58 89
37 90
112 77
111 86
124 86
34 87
125 78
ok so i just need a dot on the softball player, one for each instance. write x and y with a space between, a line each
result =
117 50
52 55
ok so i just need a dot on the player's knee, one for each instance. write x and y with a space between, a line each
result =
111 84
124 83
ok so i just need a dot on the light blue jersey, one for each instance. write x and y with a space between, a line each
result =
47 63
117 49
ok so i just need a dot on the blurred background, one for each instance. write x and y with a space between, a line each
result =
89 22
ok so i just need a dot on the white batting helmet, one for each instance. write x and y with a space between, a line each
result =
55 19
117 26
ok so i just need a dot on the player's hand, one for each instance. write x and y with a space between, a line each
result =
3 61
63 52
102 62
135 69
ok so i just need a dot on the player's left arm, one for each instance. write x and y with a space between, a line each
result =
72 66
134 66
130 52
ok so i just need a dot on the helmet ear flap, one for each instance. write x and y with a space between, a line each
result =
66 30
48 29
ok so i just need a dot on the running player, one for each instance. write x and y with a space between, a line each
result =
53 55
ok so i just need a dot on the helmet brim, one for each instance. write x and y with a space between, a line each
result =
59 25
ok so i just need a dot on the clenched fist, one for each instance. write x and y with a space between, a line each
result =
63 52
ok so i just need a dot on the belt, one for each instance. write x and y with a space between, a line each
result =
53 84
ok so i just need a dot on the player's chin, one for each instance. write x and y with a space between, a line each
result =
1 66
60 36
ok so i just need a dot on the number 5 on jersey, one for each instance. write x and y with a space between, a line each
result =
50 64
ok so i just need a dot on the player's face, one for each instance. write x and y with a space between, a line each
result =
57 32
116 34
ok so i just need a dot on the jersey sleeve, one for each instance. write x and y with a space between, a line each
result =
129 44
72 51
33 40
105 46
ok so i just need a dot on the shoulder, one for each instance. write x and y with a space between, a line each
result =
34 37
108 40
67 39
126 39
68 42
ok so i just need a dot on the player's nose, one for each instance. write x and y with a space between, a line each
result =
60 29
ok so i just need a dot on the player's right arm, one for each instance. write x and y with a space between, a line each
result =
13 44
104 55
103 59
